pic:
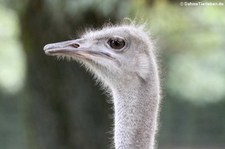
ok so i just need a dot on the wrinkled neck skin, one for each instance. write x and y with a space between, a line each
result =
136 110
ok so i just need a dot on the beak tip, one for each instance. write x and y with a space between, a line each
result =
46 47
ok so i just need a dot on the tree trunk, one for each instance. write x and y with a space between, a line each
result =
65 109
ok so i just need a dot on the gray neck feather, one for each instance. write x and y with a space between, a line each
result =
136 111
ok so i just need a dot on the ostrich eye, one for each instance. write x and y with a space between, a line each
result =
116 43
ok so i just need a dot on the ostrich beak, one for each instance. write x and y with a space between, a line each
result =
66 48
77 48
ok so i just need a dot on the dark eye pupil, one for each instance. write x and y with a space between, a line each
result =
116 43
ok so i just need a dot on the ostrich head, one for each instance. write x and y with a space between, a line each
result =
114 54
122 58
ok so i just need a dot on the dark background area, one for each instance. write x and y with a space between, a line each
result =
47 103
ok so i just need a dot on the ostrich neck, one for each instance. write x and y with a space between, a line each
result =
136 110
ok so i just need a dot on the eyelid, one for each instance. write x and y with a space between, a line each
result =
118 37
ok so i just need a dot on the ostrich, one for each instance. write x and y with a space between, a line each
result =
122 58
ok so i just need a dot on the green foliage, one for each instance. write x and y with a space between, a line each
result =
12 59
200 79
191 40
12 77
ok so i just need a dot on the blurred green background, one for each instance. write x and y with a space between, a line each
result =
50 104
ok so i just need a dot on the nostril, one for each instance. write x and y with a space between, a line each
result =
75 45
